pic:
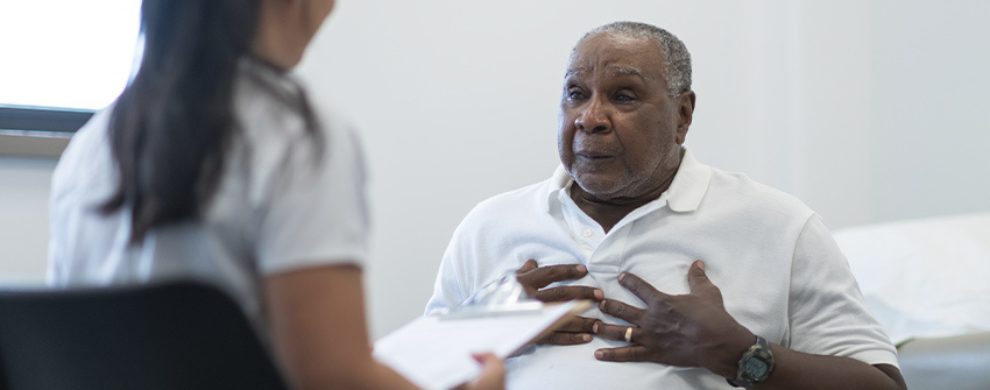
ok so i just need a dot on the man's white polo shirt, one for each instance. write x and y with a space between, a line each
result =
780 272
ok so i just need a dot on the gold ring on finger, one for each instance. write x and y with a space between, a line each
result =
629 334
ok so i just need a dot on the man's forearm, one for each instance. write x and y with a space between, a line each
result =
797 370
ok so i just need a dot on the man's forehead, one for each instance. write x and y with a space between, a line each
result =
617 54
610 69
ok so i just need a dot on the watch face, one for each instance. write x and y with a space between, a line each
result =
756 367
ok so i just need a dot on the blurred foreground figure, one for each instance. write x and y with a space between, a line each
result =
214 165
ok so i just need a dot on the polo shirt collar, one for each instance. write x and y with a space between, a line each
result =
684 195
690 184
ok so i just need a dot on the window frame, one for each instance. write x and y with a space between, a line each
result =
38 131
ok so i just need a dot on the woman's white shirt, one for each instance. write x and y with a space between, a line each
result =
282 203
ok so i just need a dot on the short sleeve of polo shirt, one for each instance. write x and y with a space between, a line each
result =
317 211
828 315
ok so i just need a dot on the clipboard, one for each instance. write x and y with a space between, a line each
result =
434 351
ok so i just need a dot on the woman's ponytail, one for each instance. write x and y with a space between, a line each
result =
170 128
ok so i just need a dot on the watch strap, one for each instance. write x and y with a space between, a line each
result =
755 365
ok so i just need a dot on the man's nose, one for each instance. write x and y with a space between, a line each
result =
593 118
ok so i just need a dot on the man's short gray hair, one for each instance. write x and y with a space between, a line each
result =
676 59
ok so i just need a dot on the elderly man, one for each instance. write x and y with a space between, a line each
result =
706 279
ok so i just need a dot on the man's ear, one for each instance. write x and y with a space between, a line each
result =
685 111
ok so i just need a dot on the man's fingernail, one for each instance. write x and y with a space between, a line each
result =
599 294
601 306
599 354
594 329
701 264
586 337
582 268
622 275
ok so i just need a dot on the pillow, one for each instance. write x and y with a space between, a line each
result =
924 278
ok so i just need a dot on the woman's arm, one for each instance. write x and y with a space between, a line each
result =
317 321
316 317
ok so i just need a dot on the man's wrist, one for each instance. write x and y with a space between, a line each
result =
755 365
728 364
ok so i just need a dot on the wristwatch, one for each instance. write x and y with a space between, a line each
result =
755 366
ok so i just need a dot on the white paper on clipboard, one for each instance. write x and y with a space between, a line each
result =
435 353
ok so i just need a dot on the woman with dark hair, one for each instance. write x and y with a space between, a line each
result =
214 165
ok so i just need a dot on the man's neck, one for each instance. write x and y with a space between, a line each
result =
608 212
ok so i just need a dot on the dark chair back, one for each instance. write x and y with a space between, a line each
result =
180 335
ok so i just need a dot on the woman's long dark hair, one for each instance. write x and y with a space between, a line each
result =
171 126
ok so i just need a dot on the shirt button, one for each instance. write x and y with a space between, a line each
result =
587 232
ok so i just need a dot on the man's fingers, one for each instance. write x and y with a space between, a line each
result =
621 310
528 266
565 338
635 353
566 293
573 332
697 277
617 332
578 325
543 276
643 290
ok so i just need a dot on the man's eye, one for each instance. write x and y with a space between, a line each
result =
624 98
575 95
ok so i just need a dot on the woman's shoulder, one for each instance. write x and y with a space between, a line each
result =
87 161
274 107
289 134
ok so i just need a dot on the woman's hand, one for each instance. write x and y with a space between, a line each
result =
492 374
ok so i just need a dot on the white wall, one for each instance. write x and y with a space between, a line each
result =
24 184
869 111
930 122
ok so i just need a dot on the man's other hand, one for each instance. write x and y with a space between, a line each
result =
535 278
691 330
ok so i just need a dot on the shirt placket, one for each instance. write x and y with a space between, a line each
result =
590 238
602 253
